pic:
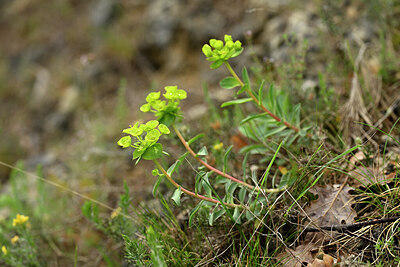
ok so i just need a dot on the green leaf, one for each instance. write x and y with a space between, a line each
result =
238 52
236 216
166 118
242 194
216 64
153 152
125 141
176 197
203 151
246 80
252 117
260 89
236 102
242 89
226 157
195 138
245 76
205 183
215 215
173 167
157 184
230 188
229 83
194 211
274 131
137 153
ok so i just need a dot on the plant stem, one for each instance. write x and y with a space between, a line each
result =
211 168
205 164
188 192
258 103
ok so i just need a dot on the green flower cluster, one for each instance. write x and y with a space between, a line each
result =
146 147
219 53
165 112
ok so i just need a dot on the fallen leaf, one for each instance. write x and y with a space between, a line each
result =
332 207
298 257
358 157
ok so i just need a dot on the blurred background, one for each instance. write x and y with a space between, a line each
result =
73 74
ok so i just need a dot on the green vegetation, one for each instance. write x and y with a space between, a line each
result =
255 182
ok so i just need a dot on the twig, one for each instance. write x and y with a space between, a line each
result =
350 227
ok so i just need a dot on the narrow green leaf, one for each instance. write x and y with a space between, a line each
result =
194 211
242 194
260 89
205 183
252 117
215 215
195 138
246 80
229 83
226 157
236 216
245 76
173 167
236 102
231 188
157 184
203 151
176 197
242 89
249 215
274 131
271 97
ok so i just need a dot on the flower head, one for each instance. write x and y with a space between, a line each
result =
4 250
14 239
166 110
20 220
146 136
219 52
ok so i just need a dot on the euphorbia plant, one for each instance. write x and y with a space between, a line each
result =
168 113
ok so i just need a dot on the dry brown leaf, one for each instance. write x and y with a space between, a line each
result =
296 258
358 157
324 213
317 263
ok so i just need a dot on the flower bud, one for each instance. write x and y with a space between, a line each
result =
218 44
227 38
212 42
207 51
238 45
229 44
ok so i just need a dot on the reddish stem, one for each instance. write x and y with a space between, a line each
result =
250 93
190 193
205 164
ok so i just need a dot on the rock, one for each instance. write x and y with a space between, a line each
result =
101 12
